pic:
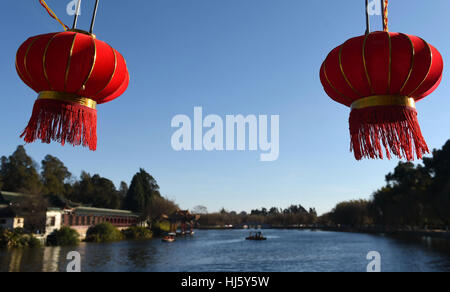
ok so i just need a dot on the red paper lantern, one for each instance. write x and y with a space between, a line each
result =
381 76
72 72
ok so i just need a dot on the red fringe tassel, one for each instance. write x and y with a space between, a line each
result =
64 122
394 127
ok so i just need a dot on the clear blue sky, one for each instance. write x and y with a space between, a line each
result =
230 57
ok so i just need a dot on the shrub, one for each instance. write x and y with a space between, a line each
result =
161 227
137 233
33 242
103 232
66 236
17 239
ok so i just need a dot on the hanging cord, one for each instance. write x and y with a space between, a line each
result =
367 18
52 14
385 4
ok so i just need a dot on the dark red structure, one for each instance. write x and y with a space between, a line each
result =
91 216
184 219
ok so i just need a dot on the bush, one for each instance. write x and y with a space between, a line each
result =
17 239
161 227
66 236
137 233
103 232
33 242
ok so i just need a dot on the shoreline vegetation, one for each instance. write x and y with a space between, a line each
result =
415 201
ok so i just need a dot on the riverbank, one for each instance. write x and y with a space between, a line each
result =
418 233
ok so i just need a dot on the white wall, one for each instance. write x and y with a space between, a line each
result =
53 222
11 223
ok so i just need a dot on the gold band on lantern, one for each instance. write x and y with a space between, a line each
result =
68 97
384 100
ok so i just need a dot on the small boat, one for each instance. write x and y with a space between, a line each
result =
168 238
256 236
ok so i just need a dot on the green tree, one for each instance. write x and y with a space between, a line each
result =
352 213
157 208
123 190
142 189
54 176
96 191
405 198
33 208
439 168
19 174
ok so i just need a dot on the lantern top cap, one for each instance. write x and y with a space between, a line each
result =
83 32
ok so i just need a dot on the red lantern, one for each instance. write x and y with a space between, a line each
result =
380 76
72 72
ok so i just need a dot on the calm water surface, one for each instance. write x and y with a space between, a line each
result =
216 251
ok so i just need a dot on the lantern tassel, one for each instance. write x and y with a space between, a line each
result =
394 128
65 122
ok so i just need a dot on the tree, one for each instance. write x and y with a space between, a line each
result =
200 210
274 211
405 198
123 190
351 213
54 176
96 191
142 189
295 209
19 174
313 212
158 207
439 169
33 208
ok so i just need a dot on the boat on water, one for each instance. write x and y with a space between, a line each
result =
184 233
168 238
257 236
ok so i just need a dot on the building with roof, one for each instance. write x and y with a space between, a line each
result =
10 199
79 218
10 219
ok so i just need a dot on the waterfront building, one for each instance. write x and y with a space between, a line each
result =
80 218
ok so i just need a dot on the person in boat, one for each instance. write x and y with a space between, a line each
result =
256 236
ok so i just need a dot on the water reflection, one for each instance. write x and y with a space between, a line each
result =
228 251
16 259
51 259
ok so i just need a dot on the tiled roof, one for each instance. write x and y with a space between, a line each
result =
104 212
9 197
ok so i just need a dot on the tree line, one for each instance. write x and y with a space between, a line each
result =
51 183
414 195
294 215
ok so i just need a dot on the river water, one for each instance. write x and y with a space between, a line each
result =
228 251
